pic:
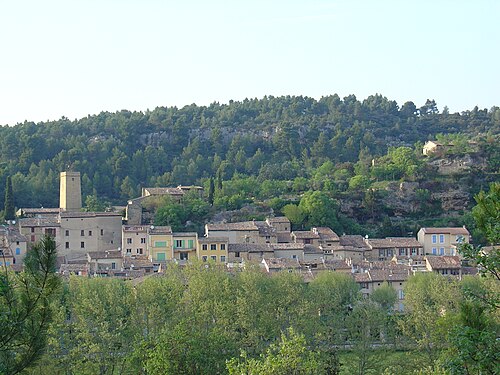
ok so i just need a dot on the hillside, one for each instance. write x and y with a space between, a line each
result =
281 146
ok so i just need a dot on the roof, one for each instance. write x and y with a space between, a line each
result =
243 225
39 222
380 275
110 254
248 247
134 228
164 191
443 262
392 242
446 230
281 263
311 249
162 229
336 264
33 211
137 262
283 237
300 234
80 214
278 219
288 246
212 239
353 241
326 234
184 234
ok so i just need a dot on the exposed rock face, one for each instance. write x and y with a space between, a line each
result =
452 200
457 164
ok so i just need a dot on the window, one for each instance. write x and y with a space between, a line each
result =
160 243
307 241
364 285
190 244
129 251
113 266
160 256
179 244
50 232
82 245
214 258
223 258
183 256
434 238
18 251
402 252
66 233
237 254
213 246
204 258
102 232
143 240
223 246
82 233
33 239
441 238
32 230
139 250
129 241
414 251
460 239
294 256
401 294
441 251
204 246
389 252
67 245
90 233
434 251
381 253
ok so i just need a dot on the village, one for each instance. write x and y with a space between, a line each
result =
105 244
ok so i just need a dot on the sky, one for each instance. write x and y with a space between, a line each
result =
75 58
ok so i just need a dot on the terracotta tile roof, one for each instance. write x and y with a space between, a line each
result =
249 248
389 275
326 234
362 277
244 225
137 262
283 237
311 249
337 264
301 234
443 262
39 222
282 263
393 242
212 239
449 230
354 241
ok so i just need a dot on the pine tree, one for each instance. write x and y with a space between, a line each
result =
10 213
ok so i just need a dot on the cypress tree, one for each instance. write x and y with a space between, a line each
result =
211 190
10 213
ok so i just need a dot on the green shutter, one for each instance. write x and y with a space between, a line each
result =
160 256
190 244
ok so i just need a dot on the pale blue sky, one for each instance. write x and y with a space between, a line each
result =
77 57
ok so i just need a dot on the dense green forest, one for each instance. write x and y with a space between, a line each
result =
258 149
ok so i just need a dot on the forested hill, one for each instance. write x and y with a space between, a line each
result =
274 138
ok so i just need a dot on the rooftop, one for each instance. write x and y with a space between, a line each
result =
443 262
391 242
243 225
447 230
300 234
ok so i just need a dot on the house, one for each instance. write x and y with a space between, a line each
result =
442 241
349 247
104 260
35 228
273 265
417 263
337 265
213 248
282 227
135 240
11 239
444 265
306 237
328 239
386 248
288 250
160 244
184 246
243 252
373 279
81 232
434 148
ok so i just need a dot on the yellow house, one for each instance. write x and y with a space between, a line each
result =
442 241
184 245
213 249
160 244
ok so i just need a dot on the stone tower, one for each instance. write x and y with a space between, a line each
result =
70 192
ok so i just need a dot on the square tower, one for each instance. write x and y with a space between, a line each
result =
70 191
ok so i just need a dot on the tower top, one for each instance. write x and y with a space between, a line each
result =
70 193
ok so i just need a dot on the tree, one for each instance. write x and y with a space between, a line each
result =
211 191
385 296
290 356
294 213
10 213
320 209
93 204
487 217
26 307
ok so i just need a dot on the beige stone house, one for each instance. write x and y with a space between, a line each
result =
135 240
104 260
386 248
444 265
442 241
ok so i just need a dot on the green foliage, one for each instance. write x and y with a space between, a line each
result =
321 210
191 210
385 296
9 209
26 307
93 204
295 214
